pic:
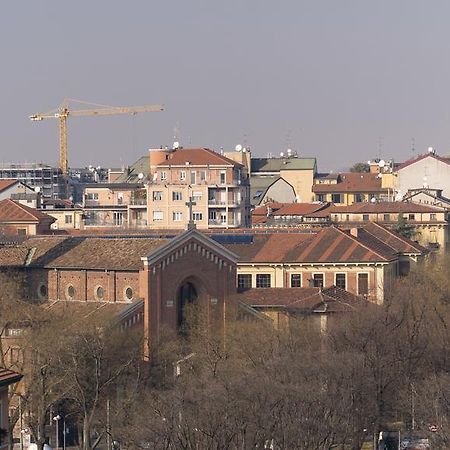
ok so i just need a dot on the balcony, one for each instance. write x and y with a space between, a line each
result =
138 202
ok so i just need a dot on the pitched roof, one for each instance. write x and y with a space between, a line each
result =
262 209
80 252
8 377
352 182
5 184
386 207
11 211
259 185
306 299
299 209
131 173
329 245
277 164
420 158
388 237
197 157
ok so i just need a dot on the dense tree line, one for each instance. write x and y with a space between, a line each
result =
248 385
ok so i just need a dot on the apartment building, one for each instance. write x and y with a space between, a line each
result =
215 187
49 180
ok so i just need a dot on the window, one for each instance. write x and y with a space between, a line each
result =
177 216
22 231
92 196
359 198
296 280
128 293
157 196
177 195
67 219
433 216
340 281
244 281
182 175
263 280
318 280
202 175
99 292
386 217
158 215
223 177
193 177
163 175
197 216
223 218
363 283
365 217
120 198
320 197
70 292
411 217
212 215
42 291
347 217
336 198
117 218
197 196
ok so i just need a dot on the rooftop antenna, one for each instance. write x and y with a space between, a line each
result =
380 146
176 131
413 145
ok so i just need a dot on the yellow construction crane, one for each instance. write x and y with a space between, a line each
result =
63 112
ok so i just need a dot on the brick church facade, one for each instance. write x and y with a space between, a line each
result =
152 278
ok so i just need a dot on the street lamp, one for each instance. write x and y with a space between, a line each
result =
57 418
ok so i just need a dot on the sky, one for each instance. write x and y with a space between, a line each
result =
343 81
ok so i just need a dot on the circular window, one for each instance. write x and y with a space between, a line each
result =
128 293
100 292
42 291
70 292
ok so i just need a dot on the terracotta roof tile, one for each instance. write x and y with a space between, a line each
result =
352 182
80 252
11 211
5 184
299 209
386 207
387 237
327 246
8 377
307 299
198 157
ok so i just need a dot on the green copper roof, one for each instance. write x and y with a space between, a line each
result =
277 164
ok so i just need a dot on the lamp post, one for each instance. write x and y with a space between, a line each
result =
57 418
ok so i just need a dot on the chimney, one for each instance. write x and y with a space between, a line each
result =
354 232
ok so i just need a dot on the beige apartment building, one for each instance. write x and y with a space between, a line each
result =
196 184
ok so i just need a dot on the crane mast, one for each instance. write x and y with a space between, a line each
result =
63 112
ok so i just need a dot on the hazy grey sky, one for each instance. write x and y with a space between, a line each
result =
334 79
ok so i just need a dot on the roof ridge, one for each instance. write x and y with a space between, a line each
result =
355 239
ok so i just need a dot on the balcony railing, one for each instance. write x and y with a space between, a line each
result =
138 202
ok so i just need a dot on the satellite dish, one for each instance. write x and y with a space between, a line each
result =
37 189
155 176
141 176
382 163
289 151
176 145
373 200
238 147
369 162
281 154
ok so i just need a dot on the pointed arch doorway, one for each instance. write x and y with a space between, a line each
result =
187 295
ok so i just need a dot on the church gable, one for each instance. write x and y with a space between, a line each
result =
188 240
